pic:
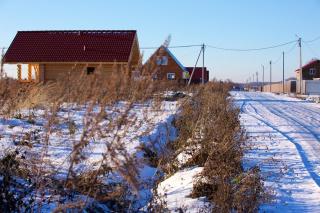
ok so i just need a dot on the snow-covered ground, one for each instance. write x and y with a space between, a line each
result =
148 124
176 192
285 133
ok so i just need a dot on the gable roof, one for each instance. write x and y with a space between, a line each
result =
170 54
71 46
310 64
174 58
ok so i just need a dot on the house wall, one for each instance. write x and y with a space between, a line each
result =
172 67
161 71
197 75
135 55
53 72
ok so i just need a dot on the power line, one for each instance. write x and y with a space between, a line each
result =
172 47
227 49
286 52
309 47
278 59
313 40
252 49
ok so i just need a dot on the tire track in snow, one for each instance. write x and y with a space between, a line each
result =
304 113
307 164
278 113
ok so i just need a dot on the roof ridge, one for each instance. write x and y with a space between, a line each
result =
74 31
70 46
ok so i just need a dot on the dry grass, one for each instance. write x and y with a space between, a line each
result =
208 126
80 189
210 129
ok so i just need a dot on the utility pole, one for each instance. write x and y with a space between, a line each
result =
257 80
203 47
299 42
252 81
194 68
283 72
247 84
270 74
262 78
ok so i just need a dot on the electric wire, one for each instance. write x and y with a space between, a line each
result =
228 49
173 47
286 53
252 49
313 40
311 50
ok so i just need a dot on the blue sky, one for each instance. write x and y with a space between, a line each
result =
225 23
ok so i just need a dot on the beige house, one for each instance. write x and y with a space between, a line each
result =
49 55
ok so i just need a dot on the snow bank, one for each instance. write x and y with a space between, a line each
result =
176 191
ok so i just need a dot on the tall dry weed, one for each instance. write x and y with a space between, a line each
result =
209 128
114 180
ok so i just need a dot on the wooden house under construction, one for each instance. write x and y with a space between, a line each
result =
49 55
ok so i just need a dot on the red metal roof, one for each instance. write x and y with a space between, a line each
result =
310 64
71 46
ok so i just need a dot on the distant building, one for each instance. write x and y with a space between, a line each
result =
310 71
310 84
197 75
163 65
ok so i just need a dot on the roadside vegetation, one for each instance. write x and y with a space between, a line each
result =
83 115
211 137
222 146
79 116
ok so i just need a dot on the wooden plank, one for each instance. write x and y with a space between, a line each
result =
29 72
19 72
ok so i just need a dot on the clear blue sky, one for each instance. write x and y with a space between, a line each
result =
226 23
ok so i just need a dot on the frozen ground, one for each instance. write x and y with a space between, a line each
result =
148 124
285 133
176 191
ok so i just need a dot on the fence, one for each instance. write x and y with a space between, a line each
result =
289 87
309 87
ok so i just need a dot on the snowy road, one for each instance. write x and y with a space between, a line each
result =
285 133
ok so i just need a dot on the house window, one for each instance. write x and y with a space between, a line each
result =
162 60
90 70
171 76
312 71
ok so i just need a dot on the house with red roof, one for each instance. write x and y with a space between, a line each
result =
310 71
310 84
196 77
163 65
50 55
